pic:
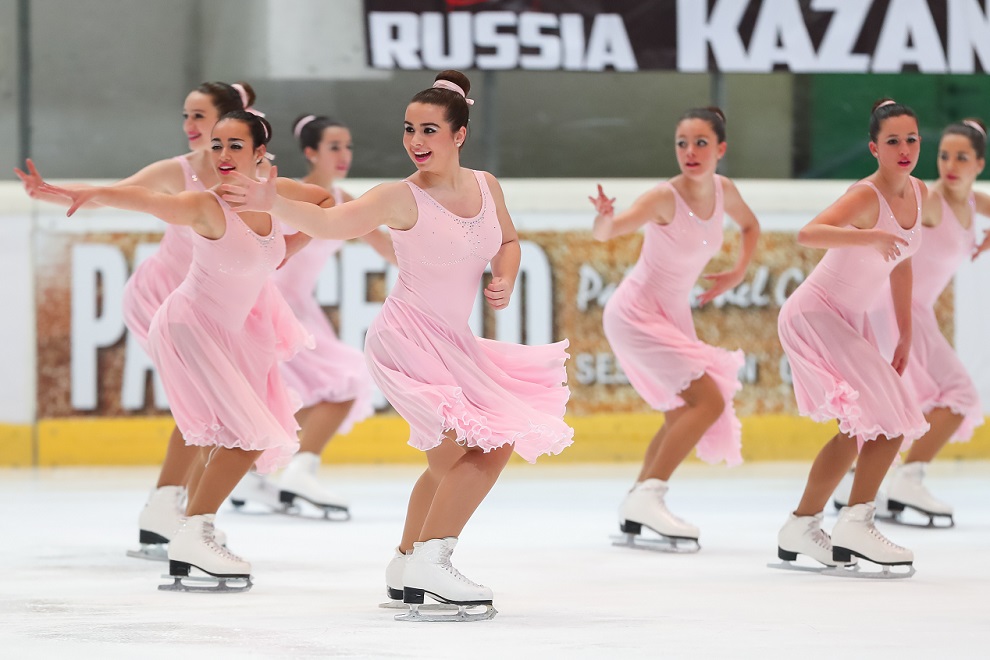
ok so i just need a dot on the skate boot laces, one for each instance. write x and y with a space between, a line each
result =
875 533
818 535
445 553
209 538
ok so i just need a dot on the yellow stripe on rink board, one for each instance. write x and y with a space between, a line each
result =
382 439
16 445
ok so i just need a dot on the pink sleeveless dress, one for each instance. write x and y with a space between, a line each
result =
649 326
434 371
934 372
160 274
217 341
332 371
837 368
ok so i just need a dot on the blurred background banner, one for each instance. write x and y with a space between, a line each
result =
732 36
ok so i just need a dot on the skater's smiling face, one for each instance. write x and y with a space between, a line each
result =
898 144
958 163
332 156
698 148
199 116
233 149
429 139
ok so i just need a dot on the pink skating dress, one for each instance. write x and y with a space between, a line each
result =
332 371
434 371
934 373
837 368
217 341
649 326
160 274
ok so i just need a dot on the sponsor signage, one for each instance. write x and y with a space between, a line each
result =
89 365
732 36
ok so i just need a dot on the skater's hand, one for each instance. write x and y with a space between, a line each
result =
246 194
980 249
900 360
78 196
603 205
885 243
31 179
721 282
497 293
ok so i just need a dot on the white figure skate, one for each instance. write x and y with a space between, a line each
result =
259 490
803 535
160 519
299 481
394 573
393 581
907 491
855 535
645 506
429 571
197 563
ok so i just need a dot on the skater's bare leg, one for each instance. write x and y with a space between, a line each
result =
195 474
440 460
320 423
225 468
669 418
178 458
461 491
831 464
703 405
875 458
944 423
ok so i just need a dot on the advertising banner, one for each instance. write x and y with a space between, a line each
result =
88 366
732 36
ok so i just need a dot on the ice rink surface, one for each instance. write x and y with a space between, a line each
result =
541 541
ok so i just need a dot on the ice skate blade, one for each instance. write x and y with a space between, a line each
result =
331 512
792 566
886 572
896 516
150 553
463 613
206 584
666 544
399 605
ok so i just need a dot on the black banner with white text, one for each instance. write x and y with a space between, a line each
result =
732 36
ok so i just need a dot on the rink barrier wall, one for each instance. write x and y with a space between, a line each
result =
382 439
537 205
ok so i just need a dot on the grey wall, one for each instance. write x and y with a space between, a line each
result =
9 139
109 78
108 81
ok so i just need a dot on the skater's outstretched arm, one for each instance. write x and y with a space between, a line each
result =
162 176
390 204
195 209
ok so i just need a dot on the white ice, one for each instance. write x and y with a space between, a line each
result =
541 541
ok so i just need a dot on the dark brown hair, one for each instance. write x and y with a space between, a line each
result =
712 114
883 110
455 106
976 138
